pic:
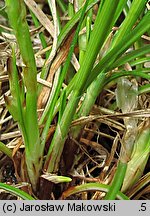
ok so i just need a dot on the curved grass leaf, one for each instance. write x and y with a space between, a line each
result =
135 73
144 89
15 191
131 56
121 47
91 187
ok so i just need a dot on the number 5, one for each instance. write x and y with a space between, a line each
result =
143 206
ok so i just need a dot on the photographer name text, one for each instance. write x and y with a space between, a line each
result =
71 207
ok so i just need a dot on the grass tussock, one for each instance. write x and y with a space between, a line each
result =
74 99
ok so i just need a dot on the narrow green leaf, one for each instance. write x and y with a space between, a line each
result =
121 47
117 181
5 150
135 73
144 89
63 102
16 11
71 23
91 187
136 8
61 79
99 36
15 191
93 48
131 56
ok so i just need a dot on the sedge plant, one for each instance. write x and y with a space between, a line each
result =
98 62
26 107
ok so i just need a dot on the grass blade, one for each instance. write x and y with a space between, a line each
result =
5 150
91 187
15 191
101 22
17 16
